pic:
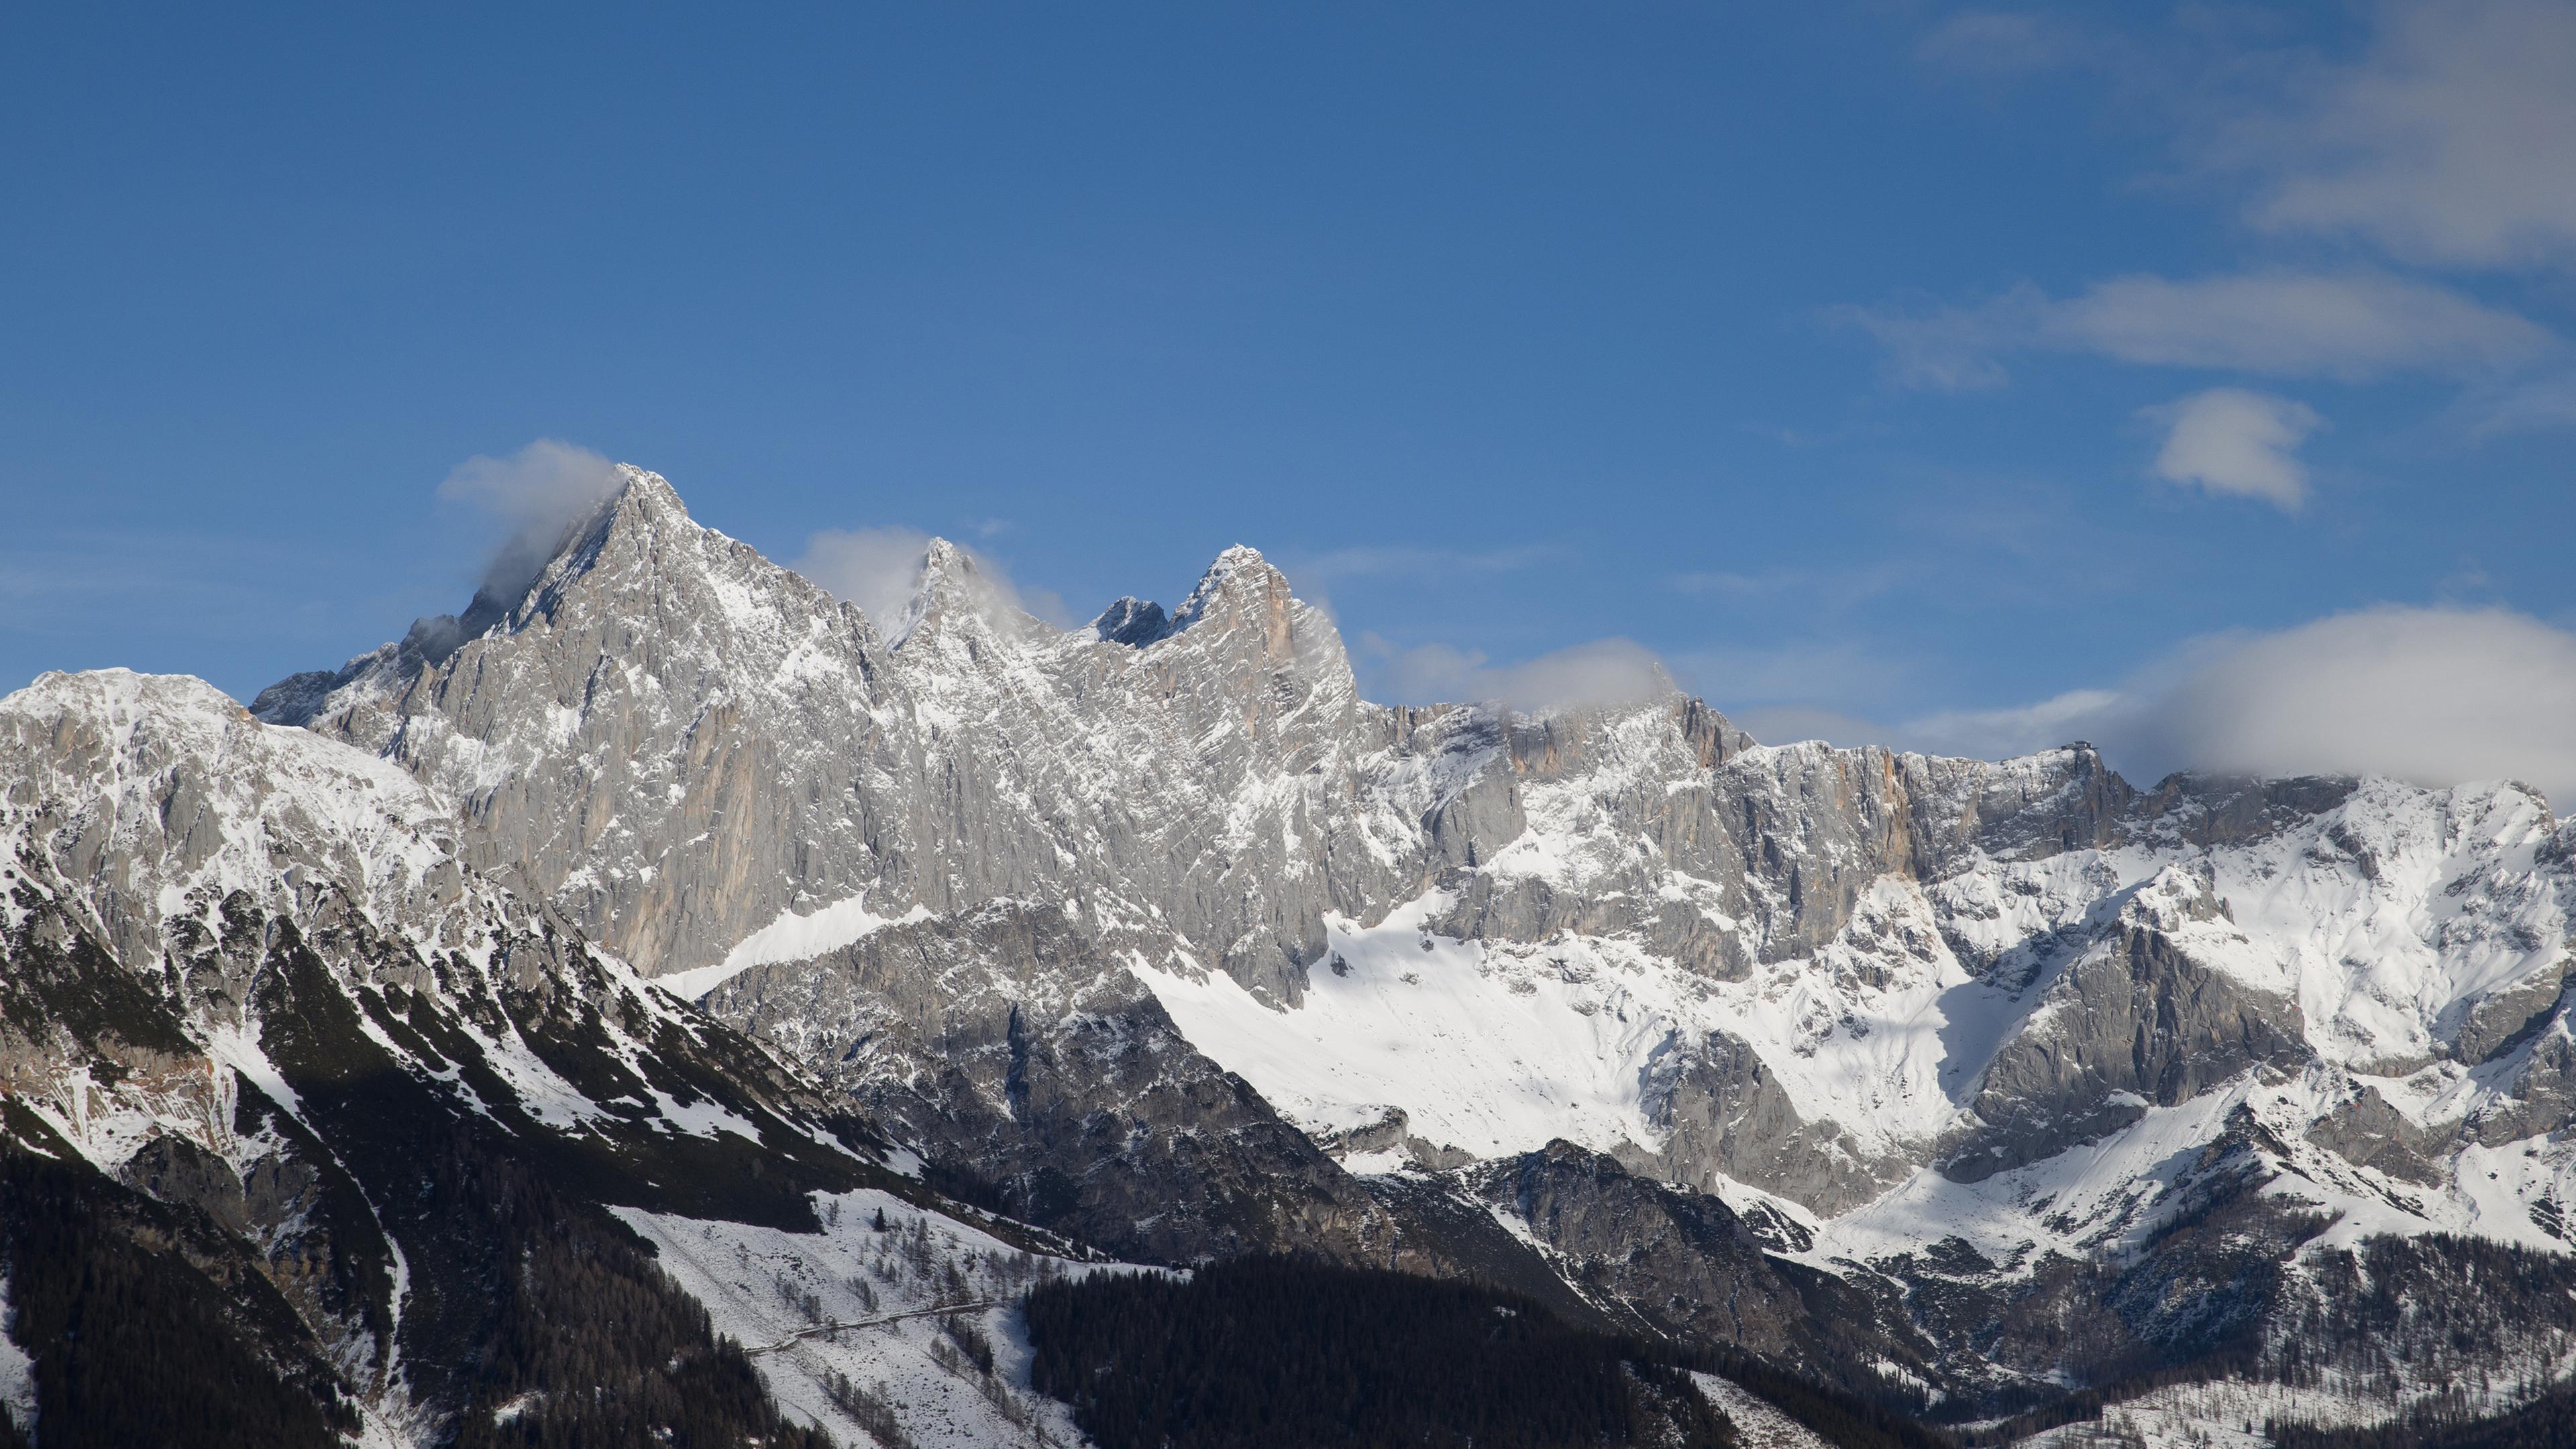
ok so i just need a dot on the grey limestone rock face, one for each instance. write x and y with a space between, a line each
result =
1727 1115
2542 1075
1682 1263
610 742
675 742
1866 969
2136 1021
2366 1131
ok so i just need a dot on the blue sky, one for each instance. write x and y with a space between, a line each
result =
1962 378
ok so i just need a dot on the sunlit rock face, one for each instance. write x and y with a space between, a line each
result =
1036 892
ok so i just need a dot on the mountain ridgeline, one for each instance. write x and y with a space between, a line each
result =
666 1004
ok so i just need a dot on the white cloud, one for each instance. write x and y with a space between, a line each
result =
2438 695
1602 672
2351 326
2443 141
2001 733
1985 734
2448 142
2435 695
879 569
536 493
549 480
2228 440
875 568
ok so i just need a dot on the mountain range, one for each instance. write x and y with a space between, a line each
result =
664 1003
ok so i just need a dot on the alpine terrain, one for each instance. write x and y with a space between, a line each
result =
662 1004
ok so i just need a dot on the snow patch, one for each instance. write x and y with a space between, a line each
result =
1480 1060
853 1307
790 937
1757 1424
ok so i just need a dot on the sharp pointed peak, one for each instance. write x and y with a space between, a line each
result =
1239 562
955 584
945 572
644 486
1239 572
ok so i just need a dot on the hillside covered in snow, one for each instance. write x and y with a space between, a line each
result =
739 921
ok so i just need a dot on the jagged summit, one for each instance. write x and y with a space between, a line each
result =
946 583
1131 621
1109 917
1242 593
1239 573
638 507
953 588
1239 584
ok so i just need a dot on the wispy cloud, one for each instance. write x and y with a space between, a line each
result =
535 493
2548 401
2351 327
879 570
1988 43
2231 441
1601 672
2439 142
2445 143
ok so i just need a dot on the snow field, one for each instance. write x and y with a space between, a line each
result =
777 1293
2219 1414
1757 1424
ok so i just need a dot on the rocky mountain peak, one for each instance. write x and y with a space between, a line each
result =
638 509
955 589
1241 591
161 794
1909 1015
643 492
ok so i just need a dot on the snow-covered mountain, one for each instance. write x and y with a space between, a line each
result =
348 1143
1954 1082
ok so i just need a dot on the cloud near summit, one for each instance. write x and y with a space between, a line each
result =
535 493
1601 672
878 570
2434 695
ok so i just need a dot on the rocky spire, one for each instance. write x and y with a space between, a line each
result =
955 589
